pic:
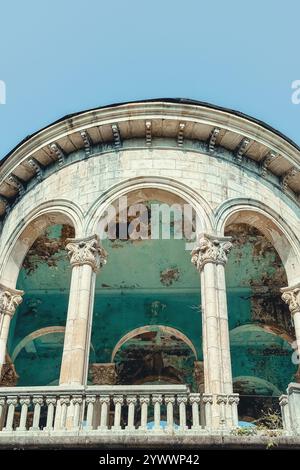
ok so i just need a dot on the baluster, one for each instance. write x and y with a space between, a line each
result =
50 402
64 403
24 402
144 401
76 402
157 401
2 411
90 400
222 401
131 401
104 401
11 402
208 401
170 402
118 402
182 401
233 401
37 403
195 400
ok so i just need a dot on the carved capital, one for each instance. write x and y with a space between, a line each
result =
210 250
90 399
103 374
291 296
169 399
221 399
144 399
9 300
77 400
283 400
118 399
51 401
38 401
86 251
157 399
234 398
195 398
182 399
207 399
24 401
131 400
104 399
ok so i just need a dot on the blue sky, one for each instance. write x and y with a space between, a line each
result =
62 56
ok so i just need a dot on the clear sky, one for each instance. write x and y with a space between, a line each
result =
63 56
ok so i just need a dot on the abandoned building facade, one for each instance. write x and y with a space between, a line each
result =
114 328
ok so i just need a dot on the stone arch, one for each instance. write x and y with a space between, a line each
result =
180 191
257 382
147 328
270 224
34 335
29 229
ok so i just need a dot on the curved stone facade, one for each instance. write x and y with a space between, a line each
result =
234 172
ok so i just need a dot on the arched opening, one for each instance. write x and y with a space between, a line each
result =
155 355
36 334
149 281
260 323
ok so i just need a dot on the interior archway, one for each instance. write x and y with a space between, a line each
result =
37 329
147 281
261 330
155 355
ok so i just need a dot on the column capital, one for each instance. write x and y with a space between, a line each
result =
9 300
291 296
210 249
86 251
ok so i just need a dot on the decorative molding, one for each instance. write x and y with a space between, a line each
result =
180 134
291 296
211 249
103 374
117 136
267 162
212 139
18 184
241 149
87 142
86 251
58 152
233 399
148 126
36 167
287 177
9 300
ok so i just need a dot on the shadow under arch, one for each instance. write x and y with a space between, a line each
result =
180 191
154 354
145 329
270 224
29 229
243 384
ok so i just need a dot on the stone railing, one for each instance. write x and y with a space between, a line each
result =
116 409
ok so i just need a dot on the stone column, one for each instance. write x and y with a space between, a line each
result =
291 296
86 258
9 300
210 257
